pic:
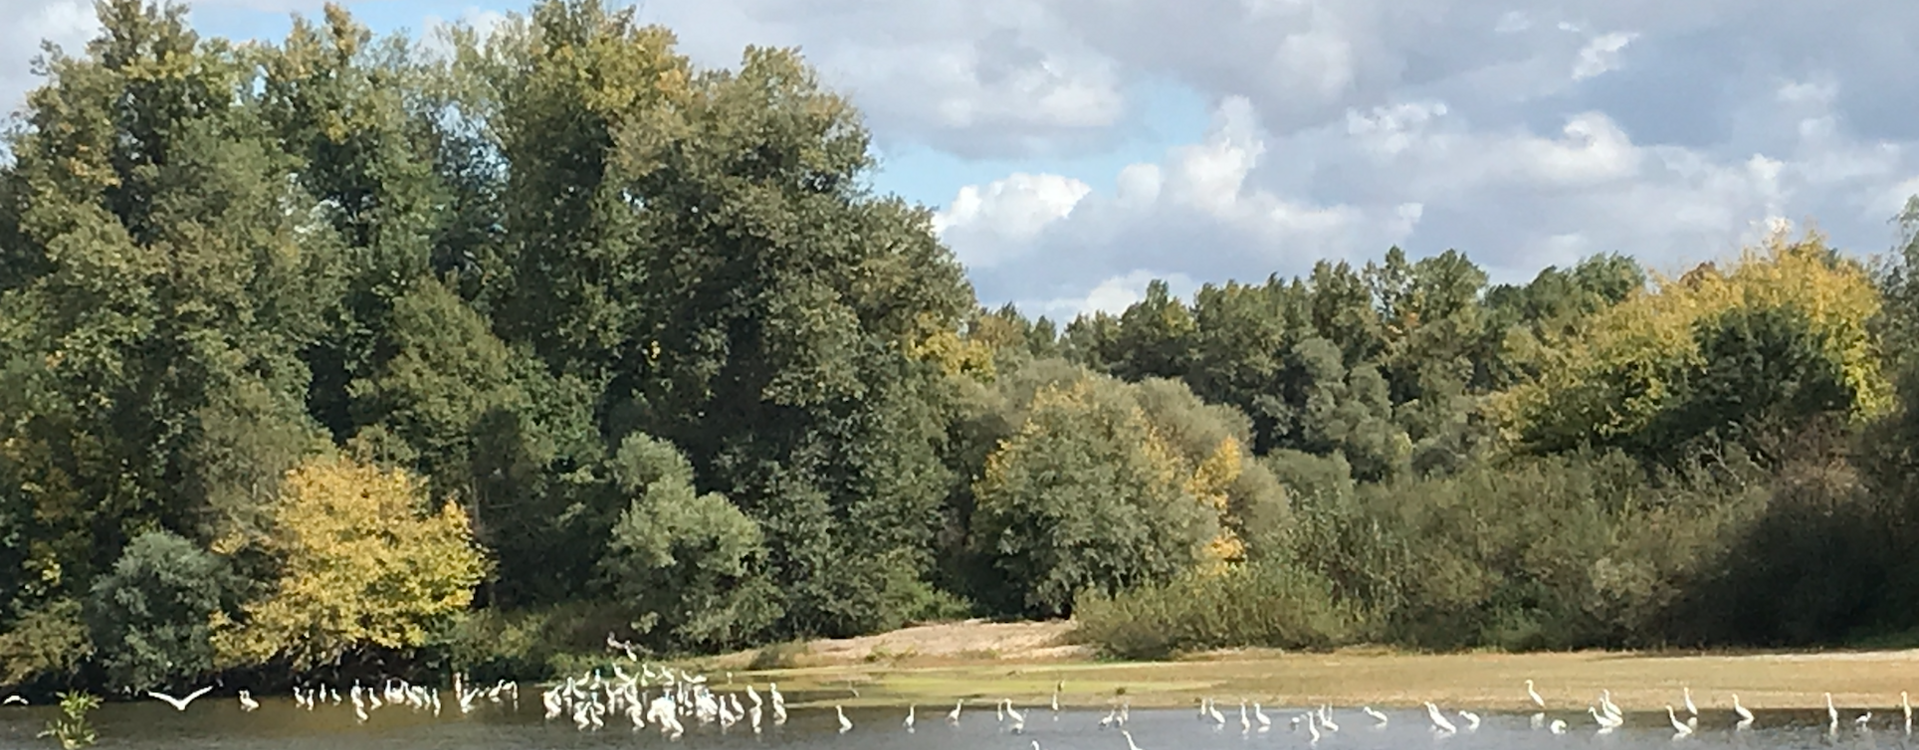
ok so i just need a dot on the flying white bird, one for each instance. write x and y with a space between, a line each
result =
180 704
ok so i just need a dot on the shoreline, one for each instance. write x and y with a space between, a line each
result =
929 665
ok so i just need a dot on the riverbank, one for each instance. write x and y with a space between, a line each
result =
939 664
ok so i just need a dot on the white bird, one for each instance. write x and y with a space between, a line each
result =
1212 709
1863 720
845 723
1018 718
1245 719
1604 720
1326 718
1744 715
1259 715
953 715
1905 704
1375 714
180 704
1558 726
1312 725
1677 725
1690 708
1130 745
1534 694
1472 719
1832 713
247 703
909 717
1439 719
13 700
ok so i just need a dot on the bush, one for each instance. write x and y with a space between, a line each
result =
1272 604
149 615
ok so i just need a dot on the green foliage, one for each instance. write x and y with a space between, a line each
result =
149 617
71 727
616 341
689 564
1273 604
1086 495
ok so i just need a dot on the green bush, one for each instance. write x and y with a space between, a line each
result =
1271 604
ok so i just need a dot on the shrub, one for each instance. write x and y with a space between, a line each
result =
1270 603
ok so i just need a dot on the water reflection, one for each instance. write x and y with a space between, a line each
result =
218 723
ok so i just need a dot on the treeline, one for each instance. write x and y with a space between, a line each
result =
346 355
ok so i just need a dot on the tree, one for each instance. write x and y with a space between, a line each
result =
150 617
687 563
362 568
1087 495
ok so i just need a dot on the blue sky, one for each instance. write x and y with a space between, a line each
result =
1079 148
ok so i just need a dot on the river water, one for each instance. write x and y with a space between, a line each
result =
217 723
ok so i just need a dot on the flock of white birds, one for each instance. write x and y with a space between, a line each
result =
589 699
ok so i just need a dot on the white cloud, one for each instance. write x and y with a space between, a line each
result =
67 23
1601 54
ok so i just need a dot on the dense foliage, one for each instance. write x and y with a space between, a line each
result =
357 355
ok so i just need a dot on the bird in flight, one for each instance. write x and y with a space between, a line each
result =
180 704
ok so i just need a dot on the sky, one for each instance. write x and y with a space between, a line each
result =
1077 149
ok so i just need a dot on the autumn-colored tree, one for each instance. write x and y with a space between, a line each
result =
1606 384
367 563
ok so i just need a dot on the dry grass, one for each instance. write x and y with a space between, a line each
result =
939 664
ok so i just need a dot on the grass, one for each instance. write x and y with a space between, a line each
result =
1488 681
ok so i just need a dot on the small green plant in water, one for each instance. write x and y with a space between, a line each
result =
72 729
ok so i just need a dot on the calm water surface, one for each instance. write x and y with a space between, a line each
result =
218 724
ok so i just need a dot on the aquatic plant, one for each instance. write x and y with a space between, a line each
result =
71 728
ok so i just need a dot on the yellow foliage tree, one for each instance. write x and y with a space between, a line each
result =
1212 483
1612 377
362 567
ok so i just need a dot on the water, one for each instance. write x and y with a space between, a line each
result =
219 724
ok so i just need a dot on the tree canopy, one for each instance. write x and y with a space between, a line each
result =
350 353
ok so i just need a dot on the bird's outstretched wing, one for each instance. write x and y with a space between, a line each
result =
197 693
13 700
171 701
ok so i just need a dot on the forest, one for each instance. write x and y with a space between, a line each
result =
348 355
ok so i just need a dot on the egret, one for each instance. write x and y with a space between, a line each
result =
1534 694
1439 719
845 723
1018 718
1130 745
1245 719
1212 709
1259 715
1312 725
1690 708
1375 714
1832 713
247 703
1905 704
180 704
1744 715
909 717
1605 720
1472 719
1863 720
1677 725
953 715
1558 726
